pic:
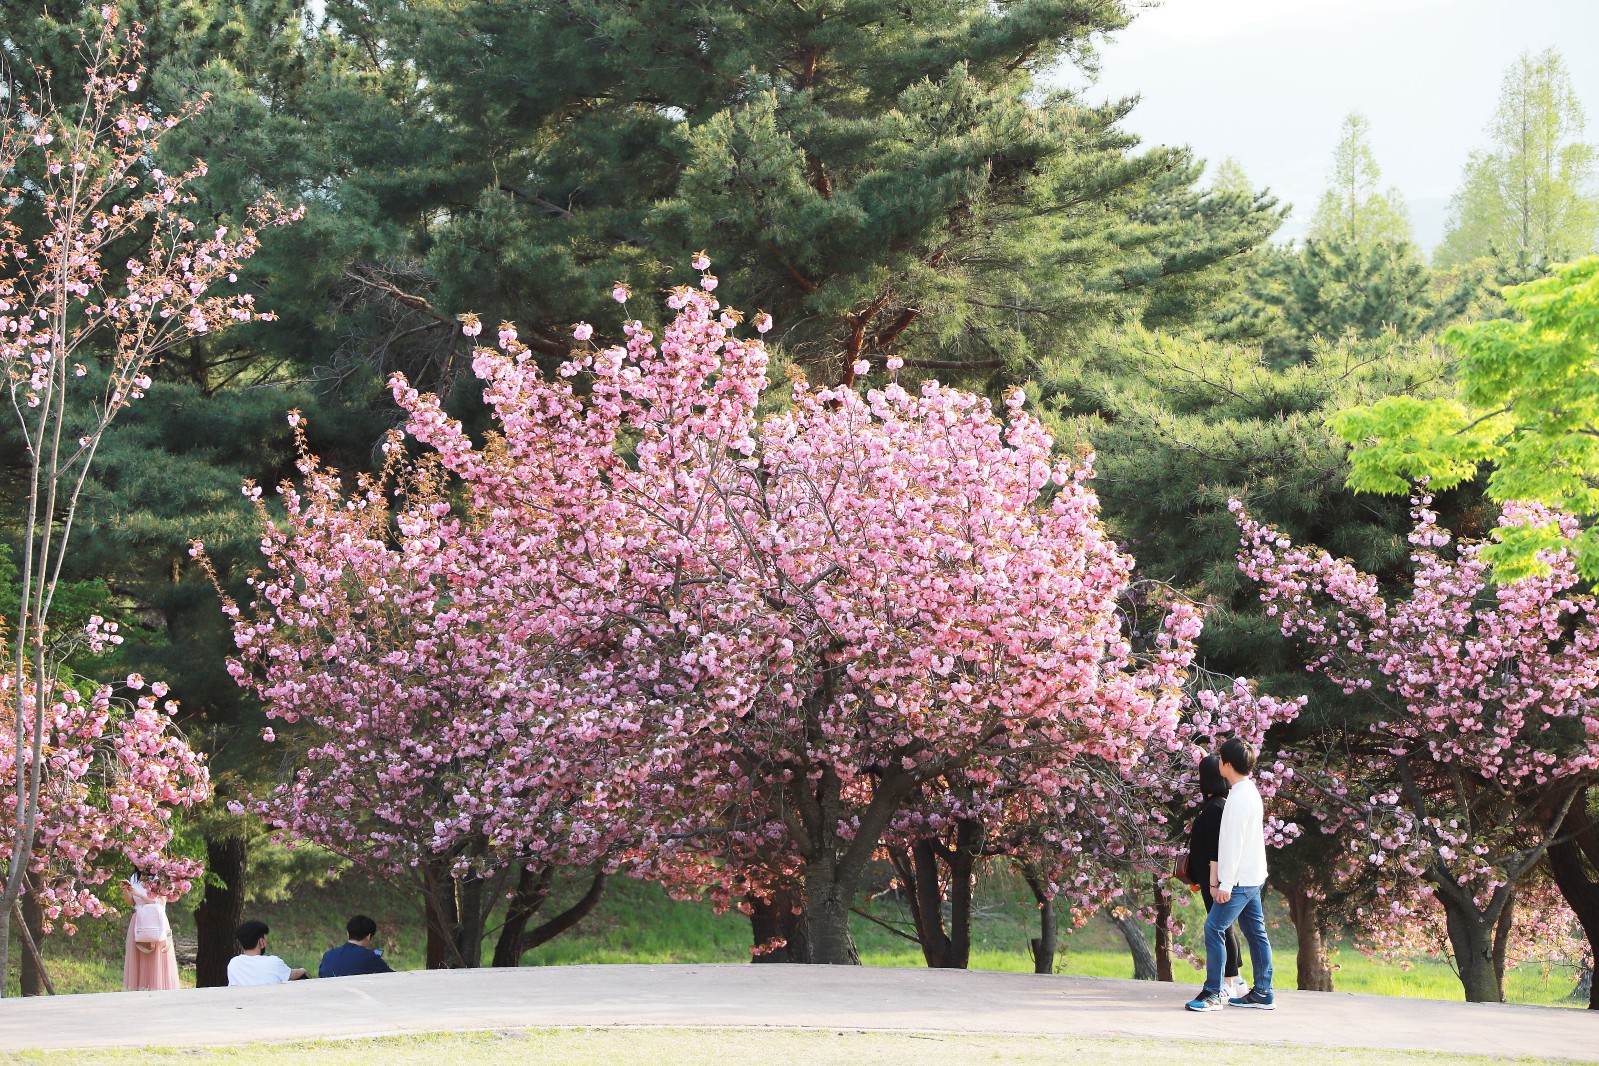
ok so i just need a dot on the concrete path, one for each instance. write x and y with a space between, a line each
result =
777 996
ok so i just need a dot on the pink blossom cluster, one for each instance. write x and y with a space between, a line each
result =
113 768
1484 718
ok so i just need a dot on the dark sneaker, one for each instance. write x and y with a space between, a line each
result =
1208 1000
1257 998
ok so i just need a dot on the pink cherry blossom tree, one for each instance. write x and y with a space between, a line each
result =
423 655
1486 727
114 770
773 630
99 267
856 597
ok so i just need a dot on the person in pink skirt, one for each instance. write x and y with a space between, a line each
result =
151 964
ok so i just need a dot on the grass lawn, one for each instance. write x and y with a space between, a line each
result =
637 923
716 1047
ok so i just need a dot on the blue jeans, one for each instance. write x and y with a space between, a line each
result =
1243 907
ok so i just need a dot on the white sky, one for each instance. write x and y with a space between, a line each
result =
1268 82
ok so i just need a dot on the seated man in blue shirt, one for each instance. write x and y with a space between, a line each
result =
355 957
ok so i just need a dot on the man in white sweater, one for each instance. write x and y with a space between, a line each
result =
1237 877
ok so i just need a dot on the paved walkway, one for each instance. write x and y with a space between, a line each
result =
777 996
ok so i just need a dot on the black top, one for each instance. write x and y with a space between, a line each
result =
1204 840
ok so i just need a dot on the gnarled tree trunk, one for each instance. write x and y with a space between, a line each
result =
532 892
1132 931
918 869
35 981
1304 910
220 910
1477 939
451 908
827 907
1047 942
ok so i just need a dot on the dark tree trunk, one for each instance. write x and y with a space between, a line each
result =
918 870
827 903
546 931
962 872
221 909
35 981
442 914
1472 941
456 910
1163 971
1132 931
927 907
1502 931
532 890
918 877
1047 942
780 918
1304 910
469 909
1574 865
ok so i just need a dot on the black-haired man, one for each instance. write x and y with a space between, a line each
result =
253 966
355 956
1240 876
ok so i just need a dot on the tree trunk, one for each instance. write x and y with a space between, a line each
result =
1574 865
1304 910
1047 942
442 915
962 872
780 918
532 889
1502 930
1132 931
220 910
827 903
544 932
5 946
918 874
919 871
470 914
1163 971
35 982
1471 939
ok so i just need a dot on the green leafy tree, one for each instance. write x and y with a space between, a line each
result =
1527 408
1353 209
1531 196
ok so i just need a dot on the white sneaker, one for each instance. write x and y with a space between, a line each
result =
1237 988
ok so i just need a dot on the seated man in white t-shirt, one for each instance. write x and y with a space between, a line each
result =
255 966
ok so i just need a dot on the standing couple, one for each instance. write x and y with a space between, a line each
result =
1227 858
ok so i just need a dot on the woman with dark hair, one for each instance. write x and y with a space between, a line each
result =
1204 844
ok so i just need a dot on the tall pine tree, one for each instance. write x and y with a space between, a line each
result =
885 178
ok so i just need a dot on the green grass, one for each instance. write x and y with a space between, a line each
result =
637 923
715 1047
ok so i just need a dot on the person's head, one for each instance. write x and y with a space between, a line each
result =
361 928
252 935
1237 760
1211 782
